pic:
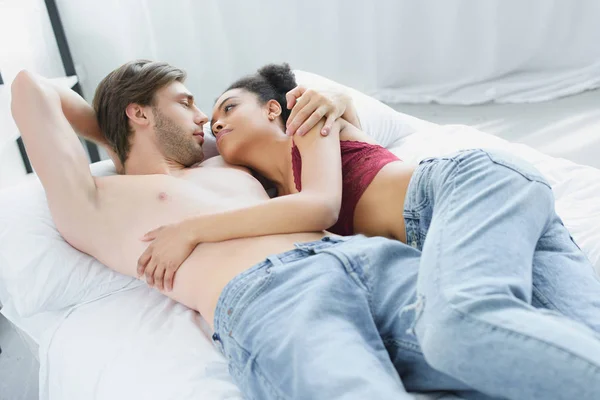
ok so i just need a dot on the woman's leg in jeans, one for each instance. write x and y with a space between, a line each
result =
563 278
474 319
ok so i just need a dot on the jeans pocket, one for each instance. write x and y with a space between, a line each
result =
246 297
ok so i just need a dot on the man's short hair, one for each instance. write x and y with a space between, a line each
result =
134 82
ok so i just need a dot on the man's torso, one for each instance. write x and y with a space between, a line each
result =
134 204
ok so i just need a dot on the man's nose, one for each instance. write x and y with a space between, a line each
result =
201 118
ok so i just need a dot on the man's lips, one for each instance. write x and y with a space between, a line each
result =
201 136
222 133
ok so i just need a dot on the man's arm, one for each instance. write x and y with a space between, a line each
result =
56 154
82 117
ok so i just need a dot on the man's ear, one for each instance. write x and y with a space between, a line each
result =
273 109
137 114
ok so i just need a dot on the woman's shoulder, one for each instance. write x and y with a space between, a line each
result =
349 132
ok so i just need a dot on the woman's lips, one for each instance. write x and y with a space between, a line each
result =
222 133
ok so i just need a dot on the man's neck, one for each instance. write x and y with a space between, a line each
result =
147 160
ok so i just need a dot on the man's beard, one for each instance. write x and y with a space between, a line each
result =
174 142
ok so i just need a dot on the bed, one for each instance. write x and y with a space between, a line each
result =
100 335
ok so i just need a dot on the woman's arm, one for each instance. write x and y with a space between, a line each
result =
315 208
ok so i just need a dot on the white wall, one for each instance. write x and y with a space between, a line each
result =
26 42
450 51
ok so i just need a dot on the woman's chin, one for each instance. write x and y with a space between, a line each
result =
228 151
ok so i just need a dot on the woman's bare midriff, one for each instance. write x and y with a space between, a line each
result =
133 205
380 210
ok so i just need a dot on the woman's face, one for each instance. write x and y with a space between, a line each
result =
238 120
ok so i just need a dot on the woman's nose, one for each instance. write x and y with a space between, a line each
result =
217 126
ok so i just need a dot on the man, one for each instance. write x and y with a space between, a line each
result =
154 134
301 316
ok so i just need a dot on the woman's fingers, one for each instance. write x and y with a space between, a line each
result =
293 95
309 109
151 235
170 276
159 274
328 125
150 268
143 261
301 111
315 116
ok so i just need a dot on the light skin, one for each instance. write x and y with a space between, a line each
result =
252 134
105 216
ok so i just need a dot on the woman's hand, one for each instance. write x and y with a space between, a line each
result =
171 246
310 106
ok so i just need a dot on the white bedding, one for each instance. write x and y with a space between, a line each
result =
139 344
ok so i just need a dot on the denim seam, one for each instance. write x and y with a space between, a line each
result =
467 317
421 176
233 289
404 345
367 282
442 228
543 299
252 359
523 174
492 327
361 284
349 268
238 311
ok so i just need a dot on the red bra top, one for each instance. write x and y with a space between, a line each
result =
360 164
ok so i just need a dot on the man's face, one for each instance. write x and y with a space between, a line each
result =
178 125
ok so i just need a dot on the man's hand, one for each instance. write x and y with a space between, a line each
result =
310 106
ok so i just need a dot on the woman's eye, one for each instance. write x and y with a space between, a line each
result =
228 107
186 105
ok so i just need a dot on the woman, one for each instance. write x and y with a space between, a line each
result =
307 167
495 250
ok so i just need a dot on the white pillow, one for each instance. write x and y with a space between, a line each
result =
378 120
39 270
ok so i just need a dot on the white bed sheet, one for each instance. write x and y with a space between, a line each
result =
140 344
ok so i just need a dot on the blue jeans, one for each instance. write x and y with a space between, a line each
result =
507 302
496 304
306 324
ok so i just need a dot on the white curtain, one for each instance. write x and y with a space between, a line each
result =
450 51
